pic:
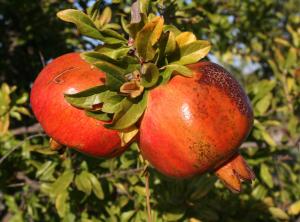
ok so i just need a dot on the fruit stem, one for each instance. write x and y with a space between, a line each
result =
147 175
54 145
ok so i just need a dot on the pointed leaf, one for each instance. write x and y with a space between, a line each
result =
98 115
60 203
105 16
83 182
143 6
175 69
62 182
147 37
172 28
96 186
114 74
130 114
185 38
84 24
193 52
266 175
150 75
90 97
113 51
128 134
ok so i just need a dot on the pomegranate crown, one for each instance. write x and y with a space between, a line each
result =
136 56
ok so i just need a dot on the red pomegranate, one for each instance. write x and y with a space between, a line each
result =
64 123
194 125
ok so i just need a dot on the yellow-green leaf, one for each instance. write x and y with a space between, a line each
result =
193 52
84 24
185 38
60 203
128 134
266 175
150 75
147 37
294 209
278 213
96 186
83 182
130 113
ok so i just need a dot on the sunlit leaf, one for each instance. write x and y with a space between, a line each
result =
193 52
131 113
84 24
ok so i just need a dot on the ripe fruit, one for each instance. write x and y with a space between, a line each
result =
196 125
64 123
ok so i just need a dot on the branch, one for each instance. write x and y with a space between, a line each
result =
35 185
19 145
35 128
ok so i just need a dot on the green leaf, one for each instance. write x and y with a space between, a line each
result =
291 59
84 24
134 28
61 203
112 36
98 115
143 5
114 74
62 182
185 38
105 17
150 75
83 182
130 113
128 134
171 44
174 215
175 69
124 24
171 28
263 104
193 52
112 104
294 209
113 51
278 213
266 175
96 186
259 192
147 37
87 99
127 215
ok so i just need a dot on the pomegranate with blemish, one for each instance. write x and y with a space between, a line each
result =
194 125
64 123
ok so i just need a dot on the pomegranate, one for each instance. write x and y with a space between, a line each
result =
194 125
64 123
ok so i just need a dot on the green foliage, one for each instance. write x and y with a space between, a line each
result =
258 41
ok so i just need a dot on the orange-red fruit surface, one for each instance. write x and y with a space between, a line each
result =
194 125
64 123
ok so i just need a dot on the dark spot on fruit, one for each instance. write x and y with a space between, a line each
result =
204 152
217 76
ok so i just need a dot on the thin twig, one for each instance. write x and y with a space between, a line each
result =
42 58
19 145
148 197
35 128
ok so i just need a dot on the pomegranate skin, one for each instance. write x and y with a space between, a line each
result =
194 125
64 123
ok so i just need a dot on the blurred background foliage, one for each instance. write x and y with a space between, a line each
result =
258 41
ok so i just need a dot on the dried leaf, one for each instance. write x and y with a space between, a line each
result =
128 134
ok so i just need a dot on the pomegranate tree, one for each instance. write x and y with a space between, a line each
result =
188 117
